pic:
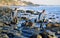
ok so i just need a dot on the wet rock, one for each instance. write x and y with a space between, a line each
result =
49 25
0 30
51 36
10 35
17 34
1 24
39 36
4 36
33 24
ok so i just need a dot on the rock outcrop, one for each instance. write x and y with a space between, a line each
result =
15 3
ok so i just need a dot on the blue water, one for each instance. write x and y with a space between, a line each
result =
50 10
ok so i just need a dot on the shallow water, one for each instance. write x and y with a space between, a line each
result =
50 10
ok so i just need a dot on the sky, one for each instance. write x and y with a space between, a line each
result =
45 2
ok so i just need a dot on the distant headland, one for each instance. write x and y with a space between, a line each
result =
16 3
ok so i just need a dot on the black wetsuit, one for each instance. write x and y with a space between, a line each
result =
39 15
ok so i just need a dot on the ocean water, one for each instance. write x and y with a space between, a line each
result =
50 10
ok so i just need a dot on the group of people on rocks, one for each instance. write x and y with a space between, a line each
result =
14 16
42 16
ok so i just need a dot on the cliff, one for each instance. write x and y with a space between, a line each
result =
14 3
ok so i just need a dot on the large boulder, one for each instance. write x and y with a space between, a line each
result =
3 36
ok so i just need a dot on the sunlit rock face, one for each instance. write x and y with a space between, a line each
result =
15 3
11 2
15 0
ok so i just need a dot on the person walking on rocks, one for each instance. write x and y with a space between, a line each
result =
41 18
14 15
41 15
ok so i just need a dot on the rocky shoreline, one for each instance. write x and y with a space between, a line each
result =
10 30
